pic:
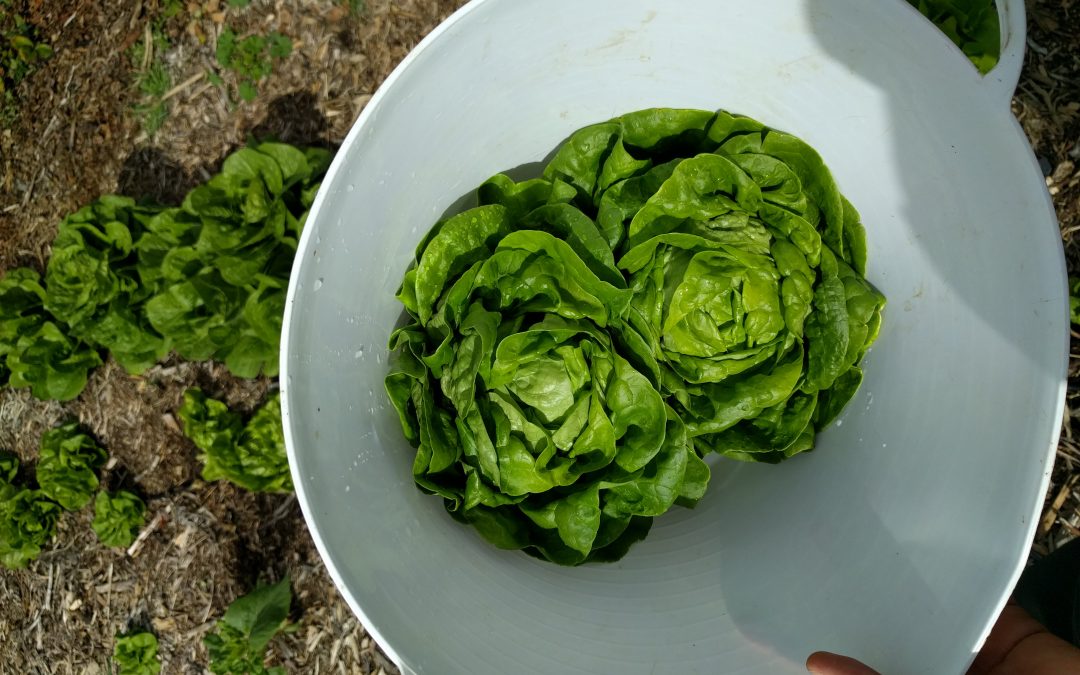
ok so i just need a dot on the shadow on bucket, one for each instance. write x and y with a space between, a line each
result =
961 212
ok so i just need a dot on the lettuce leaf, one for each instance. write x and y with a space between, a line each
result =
118 516
35 352
93 284
238 645
67 466
973 25
251 455
136 654
678 282
206 279
27 523
219 265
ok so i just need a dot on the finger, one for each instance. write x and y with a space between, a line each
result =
1019 645
1041 654
1013 627
825 663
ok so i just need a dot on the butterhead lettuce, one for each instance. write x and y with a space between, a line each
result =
34 351
677 283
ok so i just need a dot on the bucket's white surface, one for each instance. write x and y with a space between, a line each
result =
898 540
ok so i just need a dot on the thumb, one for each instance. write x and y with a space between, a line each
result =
825 663
1019 645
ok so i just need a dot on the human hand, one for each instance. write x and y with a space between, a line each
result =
1018 645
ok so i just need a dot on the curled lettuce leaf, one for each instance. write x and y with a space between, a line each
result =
206 279
9 467
93 284
67 466
262 449
22 300
34 351
250 455
118 517
219 264
137 654
972 25
678 282
27 523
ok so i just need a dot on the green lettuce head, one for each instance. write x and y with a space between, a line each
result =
217 266
93 284
68 465
34 351
27 523
678 282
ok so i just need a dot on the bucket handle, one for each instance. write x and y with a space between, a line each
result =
1003 79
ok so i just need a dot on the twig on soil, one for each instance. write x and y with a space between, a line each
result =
182 86
313 640
209 602
30 188
108 593
199 630
282 510
148 48
37 626
48 588
1051 515
201 90
153 465
49 127
158 520
334 649
118 587
67 87
1068 450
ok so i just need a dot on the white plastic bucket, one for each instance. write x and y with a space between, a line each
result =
898 540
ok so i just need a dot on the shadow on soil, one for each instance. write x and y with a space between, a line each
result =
148 175
295 119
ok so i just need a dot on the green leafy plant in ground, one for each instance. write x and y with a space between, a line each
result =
34 351
153 85
21 52
973 25
66 472
67 466
219 265
207 279
118 518
27 522
1074 299
9 467
172 8
152 78
136 654
27 518
93 281
678 282
238 646
251 58
250 455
